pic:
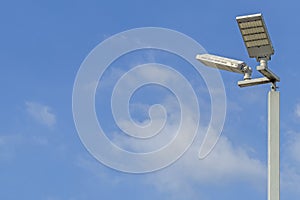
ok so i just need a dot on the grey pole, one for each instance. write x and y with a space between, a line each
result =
273 145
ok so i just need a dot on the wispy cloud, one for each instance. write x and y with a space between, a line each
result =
225 165
290 159
9 145
290 179
102 172
293 147
41 113
290 173
12 144
186 178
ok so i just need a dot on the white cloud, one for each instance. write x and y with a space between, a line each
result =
224 165
41 113
293 147
290 179
186 178
100 171
290 173
290 161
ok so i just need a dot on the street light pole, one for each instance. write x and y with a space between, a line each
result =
259 46
273 145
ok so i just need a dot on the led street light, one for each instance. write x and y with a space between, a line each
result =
225 64
252 82
222 63
259 46
255 36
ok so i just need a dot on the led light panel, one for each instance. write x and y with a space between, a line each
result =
255 36
221 63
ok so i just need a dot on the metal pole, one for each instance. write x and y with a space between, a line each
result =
273 145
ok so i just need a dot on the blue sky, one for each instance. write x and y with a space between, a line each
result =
43 44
